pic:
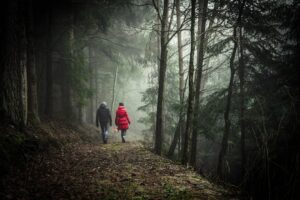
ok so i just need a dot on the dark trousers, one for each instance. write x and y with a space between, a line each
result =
123 133
104 131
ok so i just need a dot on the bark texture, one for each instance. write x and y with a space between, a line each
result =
190 109
13 82
161 81
200 49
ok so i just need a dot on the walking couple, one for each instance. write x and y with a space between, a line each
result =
103 117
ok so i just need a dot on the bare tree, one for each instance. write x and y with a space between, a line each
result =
162 74
191 96
179 129
200 49
225 138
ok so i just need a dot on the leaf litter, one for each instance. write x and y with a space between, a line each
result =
91 170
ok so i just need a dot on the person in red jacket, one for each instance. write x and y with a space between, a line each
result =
122 120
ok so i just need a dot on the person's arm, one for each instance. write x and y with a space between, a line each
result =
128 118
97 118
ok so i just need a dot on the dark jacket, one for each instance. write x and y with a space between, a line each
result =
103 115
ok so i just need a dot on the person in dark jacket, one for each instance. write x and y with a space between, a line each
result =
122 120
103 117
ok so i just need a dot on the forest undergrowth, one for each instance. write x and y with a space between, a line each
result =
70 162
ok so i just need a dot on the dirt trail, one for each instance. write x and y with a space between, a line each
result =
109 171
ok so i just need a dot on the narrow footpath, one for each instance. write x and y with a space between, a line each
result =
109 171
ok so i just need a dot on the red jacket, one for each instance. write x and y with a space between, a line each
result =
122 120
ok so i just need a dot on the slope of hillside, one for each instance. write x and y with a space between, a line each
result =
84 168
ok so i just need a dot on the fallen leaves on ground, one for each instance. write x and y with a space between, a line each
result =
108 171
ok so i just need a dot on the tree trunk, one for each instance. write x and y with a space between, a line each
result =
200 49
31 67
224 145
242 102
66 95
114 88
13 82
49 70
77 64
179 130
161 81
158 38
23 63
190 110
174 141
98 90
208 34
90 110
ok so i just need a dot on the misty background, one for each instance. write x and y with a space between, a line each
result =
213 85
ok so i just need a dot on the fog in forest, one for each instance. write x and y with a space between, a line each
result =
210 85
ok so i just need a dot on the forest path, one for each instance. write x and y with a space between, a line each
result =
110 171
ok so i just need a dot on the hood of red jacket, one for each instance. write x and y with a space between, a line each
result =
121 108
121 111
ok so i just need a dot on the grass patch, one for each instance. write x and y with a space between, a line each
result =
172 193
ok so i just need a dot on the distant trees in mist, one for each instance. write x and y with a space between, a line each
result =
53 53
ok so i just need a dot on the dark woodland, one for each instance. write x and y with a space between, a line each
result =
150 99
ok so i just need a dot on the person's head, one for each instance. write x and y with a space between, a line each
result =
121 104
104 104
